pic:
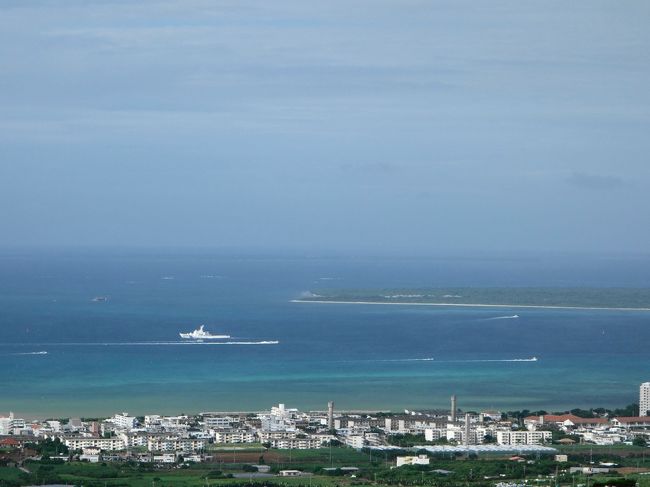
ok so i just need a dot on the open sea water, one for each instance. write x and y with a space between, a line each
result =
63 354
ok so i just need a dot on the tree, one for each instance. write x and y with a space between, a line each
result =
639 441
489 439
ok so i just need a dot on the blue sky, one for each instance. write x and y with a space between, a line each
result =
390 127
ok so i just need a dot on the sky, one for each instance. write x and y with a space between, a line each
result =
381 126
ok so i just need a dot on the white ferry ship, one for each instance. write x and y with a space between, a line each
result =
201 334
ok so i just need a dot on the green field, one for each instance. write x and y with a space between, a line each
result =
477 472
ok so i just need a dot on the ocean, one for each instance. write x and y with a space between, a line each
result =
63 354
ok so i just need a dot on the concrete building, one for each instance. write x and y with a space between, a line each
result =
9 423
419 460
330 415
104 444
220 422
454 409
297 443
433 434
523 437
632 422
644 399
165 458
290 473
92 455
234 436
563 421
124 421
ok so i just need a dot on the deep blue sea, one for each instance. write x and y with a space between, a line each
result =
104 357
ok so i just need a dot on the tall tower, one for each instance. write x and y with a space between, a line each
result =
467 429
330 414
454 408
644 399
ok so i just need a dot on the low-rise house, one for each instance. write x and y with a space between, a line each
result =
564 421
195 458
412 460
165 458
91 454
290 473
632 422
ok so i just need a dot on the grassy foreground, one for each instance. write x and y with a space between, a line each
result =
442 472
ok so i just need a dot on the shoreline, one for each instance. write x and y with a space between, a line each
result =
469 305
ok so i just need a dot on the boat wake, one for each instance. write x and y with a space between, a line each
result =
425 359
29 353
531 359
163 343
431 359
509 317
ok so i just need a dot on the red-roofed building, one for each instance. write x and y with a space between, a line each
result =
10 442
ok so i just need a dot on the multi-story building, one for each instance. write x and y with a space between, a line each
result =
234 436
124 421
297 443
9 423
523 437
280 419
270 436
105 444
644 399
220 422
174 443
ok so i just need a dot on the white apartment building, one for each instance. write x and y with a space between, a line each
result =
433 434
9 423
457 434
152 420
355 441
173 443
523 437
280 419
220 422
133 440
297 443
124 421
644 399
105 444
270 436
234 436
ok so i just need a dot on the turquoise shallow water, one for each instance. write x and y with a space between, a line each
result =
97 361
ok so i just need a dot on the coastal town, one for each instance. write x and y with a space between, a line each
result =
407 439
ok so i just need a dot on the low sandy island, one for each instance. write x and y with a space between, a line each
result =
468 305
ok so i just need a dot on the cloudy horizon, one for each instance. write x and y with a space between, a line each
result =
381 126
